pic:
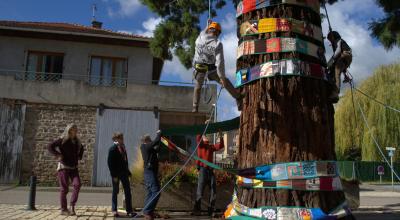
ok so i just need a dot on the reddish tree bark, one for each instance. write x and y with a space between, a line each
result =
287 119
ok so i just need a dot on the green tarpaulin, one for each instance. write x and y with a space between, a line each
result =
199 129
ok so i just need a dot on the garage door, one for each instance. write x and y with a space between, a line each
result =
133 124
12 118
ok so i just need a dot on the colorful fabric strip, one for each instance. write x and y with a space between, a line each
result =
268 25
277 45
251 5
235 209
271 172
280 68
181 152
314 184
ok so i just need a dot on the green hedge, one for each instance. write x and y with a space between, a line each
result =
366 171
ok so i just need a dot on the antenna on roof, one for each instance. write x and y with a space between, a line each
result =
95 23
94 10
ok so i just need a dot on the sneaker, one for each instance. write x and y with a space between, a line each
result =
73 213
195 109
65 212
115 214
148 217
210 211
346 79
131 214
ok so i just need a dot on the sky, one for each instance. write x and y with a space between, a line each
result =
349 17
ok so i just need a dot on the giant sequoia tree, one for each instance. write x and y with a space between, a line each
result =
286 115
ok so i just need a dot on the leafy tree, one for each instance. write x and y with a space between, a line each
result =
351 132
178 31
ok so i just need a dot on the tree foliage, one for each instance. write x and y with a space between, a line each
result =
351 132
387 29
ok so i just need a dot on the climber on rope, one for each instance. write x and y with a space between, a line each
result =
209 61
339 62
206 151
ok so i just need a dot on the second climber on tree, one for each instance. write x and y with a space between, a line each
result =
340 61
209 61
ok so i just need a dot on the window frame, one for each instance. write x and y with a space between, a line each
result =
114 60
39 65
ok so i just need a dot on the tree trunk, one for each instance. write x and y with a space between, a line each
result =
287 119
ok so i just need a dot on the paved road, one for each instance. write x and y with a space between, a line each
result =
20 197
376 204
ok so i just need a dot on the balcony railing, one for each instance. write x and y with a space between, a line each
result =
90 80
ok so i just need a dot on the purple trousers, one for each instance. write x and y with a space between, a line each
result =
64 176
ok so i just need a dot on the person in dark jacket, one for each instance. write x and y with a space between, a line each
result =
339 62
118 165
150 151
206 151
68 150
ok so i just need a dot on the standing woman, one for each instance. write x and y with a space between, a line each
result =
68 150
118 165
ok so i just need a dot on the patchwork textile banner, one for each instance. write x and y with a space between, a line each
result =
277 45
236 211
251 5
271 172
268 25
280 68
314 184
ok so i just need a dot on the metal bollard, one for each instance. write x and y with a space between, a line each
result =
32 194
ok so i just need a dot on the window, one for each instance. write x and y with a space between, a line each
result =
44 66
107 71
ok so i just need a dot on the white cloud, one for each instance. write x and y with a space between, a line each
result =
149 26
175 69
125 8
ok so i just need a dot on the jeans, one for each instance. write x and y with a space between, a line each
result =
127 190
212 75
153 187
341 66
206 177
64 176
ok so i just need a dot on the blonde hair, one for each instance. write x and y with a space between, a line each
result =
65 135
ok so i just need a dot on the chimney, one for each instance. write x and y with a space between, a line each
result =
97 24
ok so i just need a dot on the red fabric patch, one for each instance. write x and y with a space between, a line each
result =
316 70
326 183
249 5
273 45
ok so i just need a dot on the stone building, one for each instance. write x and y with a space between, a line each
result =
52 74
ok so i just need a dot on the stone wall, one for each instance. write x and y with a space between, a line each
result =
43 124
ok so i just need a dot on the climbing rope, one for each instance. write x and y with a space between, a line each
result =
377 101
371 134
327 15
187 161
